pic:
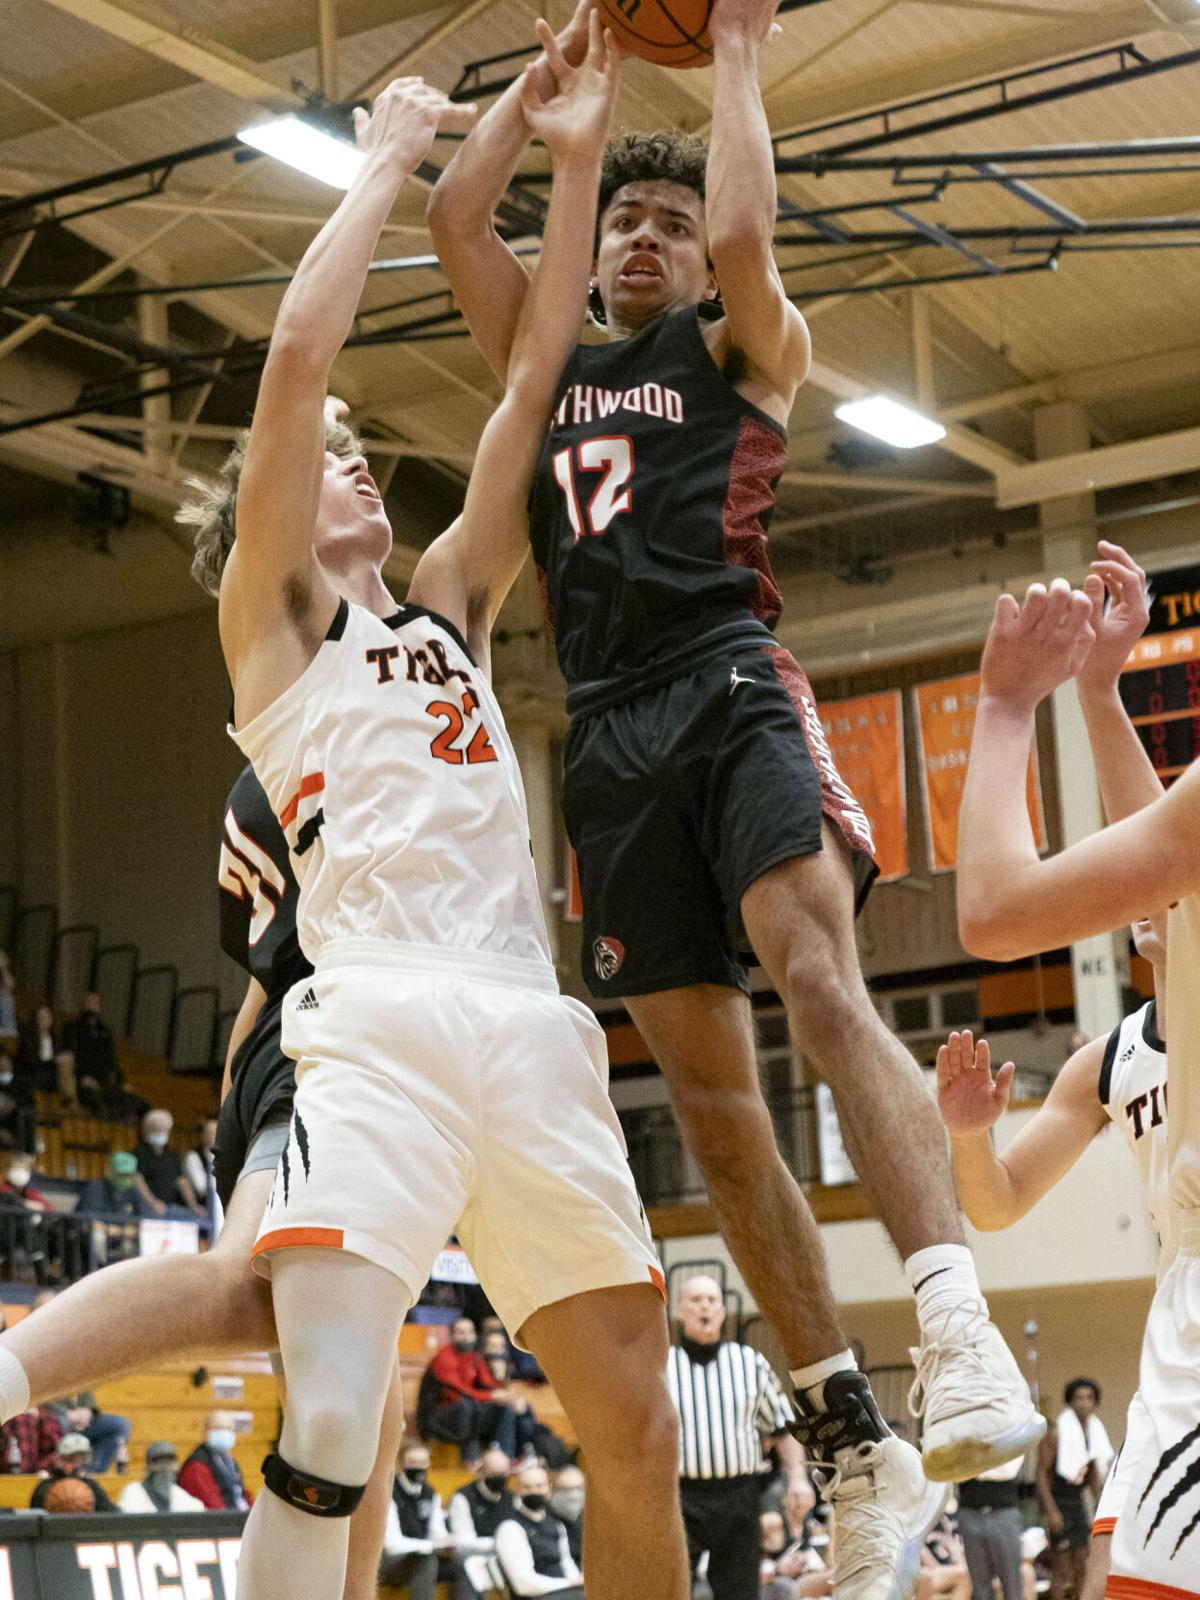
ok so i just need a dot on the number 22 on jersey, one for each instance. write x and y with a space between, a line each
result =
612 457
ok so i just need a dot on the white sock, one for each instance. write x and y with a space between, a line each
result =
810 1381
14 1386
943 1279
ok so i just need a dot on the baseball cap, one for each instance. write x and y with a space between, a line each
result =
123 1161
74 1444
164 1450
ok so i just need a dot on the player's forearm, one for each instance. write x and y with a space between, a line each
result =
997 855
318 310
1128 781
552 315
465 197
984 1184
741 197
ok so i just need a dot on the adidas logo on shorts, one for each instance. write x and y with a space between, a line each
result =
308 1001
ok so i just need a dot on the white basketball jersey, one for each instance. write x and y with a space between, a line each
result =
1133 1091
390 769
1183 1021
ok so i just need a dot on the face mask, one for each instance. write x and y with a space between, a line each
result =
495 1482
157 1141
567 1503
464 1344
416 1474
162 1479
534 1502
220 1439
19 1176
5 1079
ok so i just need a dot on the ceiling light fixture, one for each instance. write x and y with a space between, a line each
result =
896 424
311 150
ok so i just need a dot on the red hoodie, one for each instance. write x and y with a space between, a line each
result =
462 1372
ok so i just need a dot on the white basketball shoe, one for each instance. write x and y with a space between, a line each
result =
975 1404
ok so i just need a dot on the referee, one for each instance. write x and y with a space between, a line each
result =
727 1397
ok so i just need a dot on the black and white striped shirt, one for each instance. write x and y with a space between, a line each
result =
724 1405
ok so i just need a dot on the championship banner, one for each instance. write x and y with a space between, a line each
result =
1160 685
866 739
945 712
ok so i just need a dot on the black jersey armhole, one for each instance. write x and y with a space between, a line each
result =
407 612
1104 1087
338 626
1150 1034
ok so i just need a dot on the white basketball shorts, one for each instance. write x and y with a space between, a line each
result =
1116 1485
1156 1544
443 1092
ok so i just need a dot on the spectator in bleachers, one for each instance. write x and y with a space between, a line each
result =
161 1178
469 1408
476 1511
17 1188
159 1490
1075 1454
521 1363
198 1163
567 1505
211 1474
416 1528
534 1440
99 1084
119 1191
943 1565
791 1569
71 1465
16 1101
8 1004
532 1545
45 1060
107 1432
29 1443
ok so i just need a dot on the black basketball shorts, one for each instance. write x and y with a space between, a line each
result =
680 799
263 1087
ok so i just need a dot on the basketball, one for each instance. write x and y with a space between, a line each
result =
671 33
70 1497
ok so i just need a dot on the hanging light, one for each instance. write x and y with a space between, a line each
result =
886 419
309 149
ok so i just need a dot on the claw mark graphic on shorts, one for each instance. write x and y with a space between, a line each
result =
285 1172
302 1141
1190 1480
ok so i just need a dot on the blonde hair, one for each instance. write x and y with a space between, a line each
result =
211 507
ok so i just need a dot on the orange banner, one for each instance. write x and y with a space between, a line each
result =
945 713
866 739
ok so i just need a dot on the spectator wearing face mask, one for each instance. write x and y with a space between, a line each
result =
22 1230
119 1191
159 1490
461 1402
416 1528
532 1545
17 1188
476 1511
211 1474
160 1169
71 1464
567 1505
198 1163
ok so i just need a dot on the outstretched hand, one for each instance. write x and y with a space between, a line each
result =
1118 625
574 119
749 19
969 1098
404 121
1033 648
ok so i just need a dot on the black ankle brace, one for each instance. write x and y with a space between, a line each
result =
851 1416
316 1496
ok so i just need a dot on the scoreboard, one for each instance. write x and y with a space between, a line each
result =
1160 686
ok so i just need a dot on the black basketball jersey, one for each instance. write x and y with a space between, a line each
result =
649 509
258 891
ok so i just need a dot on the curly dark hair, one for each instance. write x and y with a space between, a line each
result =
1073 1388
666 154
212 508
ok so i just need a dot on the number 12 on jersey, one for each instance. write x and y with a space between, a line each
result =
612 457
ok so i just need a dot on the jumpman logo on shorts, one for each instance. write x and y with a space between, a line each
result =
734 680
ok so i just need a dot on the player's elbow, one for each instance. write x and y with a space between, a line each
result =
987 932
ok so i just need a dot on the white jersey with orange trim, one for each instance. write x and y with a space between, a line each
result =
390 769
1133 1091
1156 1544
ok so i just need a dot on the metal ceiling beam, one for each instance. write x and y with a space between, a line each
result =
1110 380
1133 461
438 34
171 39
880 483
327 48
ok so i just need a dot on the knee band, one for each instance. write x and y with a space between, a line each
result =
317 1496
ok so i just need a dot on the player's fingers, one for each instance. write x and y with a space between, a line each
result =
531 100
944 1073
1036 601
1004 1080
554 55
1119 554
455 114
595 51
983 1056
362 122
1007 613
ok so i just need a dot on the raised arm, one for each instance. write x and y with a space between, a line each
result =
742 202
467 572
1011 904
997 1190
1125 772
487 280
272 577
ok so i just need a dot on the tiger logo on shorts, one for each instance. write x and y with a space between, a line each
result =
608 955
